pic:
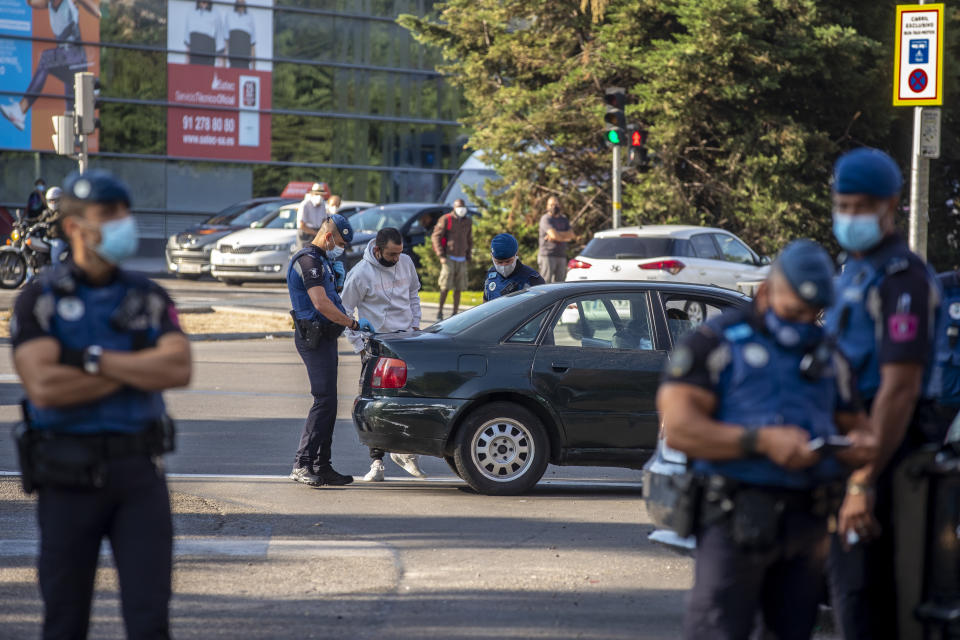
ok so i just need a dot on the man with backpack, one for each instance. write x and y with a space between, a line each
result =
453 241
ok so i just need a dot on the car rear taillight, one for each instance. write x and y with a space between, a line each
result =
578 264
390 373
673 267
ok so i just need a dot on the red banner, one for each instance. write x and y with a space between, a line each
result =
209 133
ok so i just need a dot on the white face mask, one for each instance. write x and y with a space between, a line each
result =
316 200
332 209
460 211
505 269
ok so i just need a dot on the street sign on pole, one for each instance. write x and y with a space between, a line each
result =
918 56
918 83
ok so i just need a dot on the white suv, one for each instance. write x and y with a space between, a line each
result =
668 253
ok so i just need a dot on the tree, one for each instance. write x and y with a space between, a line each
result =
748 103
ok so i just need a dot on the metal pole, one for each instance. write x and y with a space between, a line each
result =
617 150
919 189
83 158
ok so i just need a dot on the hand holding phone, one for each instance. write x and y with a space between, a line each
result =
830 444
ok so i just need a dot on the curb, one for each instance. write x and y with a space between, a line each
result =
253 311
222 337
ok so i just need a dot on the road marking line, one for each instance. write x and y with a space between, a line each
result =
266 548
602 484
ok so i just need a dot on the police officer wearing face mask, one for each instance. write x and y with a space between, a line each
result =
884 320
94 346
319 317
507 274
748 397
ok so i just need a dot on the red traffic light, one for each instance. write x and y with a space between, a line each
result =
637 139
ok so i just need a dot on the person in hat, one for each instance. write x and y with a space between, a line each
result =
94 346
751 397
312 212
884 319
320 318
508 273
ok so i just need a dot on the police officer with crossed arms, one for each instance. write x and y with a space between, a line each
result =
508 273
749 397
319 317
94 346
884 320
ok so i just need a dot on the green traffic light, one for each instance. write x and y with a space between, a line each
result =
613 136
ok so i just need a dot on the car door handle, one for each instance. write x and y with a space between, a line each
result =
560 367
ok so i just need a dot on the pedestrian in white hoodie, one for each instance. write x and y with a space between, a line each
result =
384 288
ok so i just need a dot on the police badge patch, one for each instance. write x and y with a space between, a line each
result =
314 273
954 310
70 309
756 355
492 286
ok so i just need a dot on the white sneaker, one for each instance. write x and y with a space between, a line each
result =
376 472
12 113
410 463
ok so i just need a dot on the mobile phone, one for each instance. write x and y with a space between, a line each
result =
830 444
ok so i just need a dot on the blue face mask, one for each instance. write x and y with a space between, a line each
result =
792 335
334 253
857 232
118 240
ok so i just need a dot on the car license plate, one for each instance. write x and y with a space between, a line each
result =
189 267
230 260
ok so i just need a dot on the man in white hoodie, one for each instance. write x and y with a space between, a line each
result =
384 288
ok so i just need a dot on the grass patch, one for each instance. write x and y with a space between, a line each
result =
466 297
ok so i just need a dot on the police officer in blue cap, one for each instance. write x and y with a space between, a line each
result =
94 346
948 347
756 399
884 320
319 318
508 273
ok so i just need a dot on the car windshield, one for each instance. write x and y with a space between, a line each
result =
286 218
228 214
256 214
379 217
462 321
624 247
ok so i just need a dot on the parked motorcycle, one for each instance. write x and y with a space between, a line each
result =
27 252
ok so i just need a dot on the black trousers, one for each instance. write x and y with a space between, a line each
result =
735 588
133 511
317 435
863 586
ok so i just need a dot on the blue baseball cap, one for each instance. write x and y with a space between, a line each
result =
868 171
96 185
343 226
809 270
504 246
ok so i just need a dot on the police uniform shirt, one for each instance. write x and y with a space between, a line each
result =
699 359
907 309
313 270
522 277
33 312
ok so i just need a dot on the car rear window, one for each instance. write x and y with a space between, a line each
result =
630 247
462 321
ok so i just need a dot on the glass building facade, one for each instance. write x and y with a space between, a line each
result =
356 103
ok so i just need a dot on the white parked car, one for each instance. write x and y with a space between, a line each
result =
259 253
669 253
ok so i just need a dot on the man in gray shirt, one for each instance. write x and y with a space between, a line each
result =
555 233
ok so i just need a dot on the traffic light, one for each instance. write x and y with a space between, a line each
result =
64 140
637 155
85 86
615 120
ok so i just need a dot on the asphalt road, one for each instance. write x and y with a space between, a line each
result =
259 556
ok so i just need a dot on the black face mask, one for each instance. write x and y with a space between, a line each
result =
385 263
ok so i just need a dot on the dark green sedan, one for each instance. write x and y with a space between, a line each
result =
564 374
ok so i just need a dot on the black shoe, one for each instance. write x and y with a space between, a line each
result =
331 477
439 316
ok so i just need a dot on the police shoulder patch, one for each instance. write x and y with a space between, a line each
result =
756 355
492 286
954 310
70 308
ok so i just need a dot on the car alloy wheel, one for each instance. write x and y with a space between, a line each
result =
501 449
696 312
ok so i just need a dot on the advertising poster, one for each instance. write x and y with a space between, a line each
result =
45 67
212 63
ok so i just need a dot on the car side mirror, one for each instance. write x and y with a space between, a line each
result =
765 260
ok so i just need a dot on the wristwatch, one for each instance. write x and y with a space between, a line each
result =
857 488
91 359
748 443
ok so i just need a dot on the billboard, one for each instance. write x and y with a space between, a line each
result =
46 67
212 62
